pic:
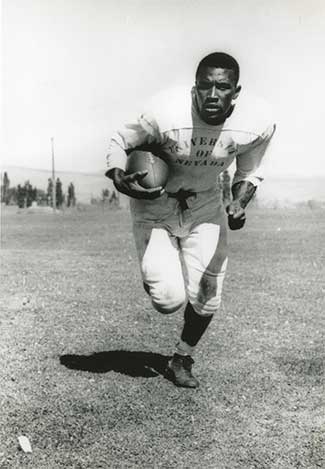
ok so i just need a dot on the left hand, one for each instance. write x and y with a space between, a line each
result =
236 215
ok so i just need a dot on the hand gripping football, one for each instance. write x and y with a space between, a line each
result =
146 161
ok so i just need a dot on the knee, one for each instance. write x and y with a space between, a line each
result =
166 299
206 300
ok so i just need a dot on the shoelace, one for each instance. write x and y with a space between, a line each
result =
188 362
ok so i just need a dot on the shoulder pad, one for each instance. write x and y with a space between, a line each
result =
251 121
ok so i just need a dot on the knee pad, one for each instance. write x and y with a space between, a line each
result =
207 301
167 299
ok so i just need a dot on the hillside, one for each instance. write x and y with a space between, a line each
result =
288 191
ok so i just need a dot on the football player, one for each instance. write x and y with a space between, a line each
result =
181 230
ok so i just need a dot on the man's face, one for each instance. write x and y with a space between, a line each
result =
215 88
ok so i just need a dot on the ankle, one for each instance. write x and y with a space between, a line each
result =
183 349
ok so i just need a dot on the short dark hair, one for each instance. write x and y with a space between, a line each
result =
219 59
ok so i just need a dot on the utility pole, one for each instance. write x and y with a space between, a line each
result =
53 178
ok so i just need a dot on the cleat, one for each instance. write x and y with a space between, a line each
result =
179 371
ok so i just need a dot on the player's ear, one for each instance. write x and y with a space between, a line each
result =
237 91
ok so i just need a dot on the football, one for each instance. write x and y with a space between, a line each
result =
146 161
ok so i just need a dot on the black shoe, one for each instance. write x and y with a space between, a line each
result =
179 371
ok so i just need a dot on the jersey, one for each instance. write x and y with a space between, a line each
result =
195 151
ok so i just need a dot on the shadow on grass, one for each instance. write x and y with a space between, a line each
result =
136 364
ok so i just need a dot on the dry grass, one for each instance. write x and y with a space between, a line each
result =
82 350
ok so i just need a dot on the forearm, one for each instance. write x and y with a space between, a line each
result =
243 192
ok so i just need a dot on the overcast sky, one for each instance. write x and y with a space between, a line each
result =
72 69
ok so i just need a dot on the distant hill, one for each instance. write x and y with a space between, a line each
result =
273 191
287 191
87 185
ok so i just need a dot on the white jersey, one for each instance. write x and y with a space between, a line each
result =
195 151
196 154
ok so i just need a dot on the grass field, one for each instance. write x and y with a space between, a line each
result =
82 350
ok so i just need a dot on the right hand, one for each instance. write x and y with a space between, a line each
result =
236 215
128 184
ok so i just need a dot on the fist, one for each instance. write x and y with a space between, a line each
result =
236 215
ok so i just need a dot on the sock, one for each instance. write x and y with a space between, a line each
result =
182 348
194 326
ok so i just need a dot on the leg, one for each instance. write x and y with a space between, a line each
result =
194 326
205 258
160 267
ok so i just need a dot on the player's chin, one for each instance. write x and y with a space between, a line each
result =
213 117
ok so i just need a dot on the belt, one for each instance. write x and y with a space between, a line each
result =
181 197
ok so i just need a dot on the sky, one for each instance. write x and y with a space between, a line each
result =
74 70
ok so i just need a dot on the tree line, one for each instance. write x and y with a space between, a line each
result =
25 194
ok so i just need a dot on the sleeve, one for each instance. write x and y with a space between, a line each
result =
250 158
139 134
